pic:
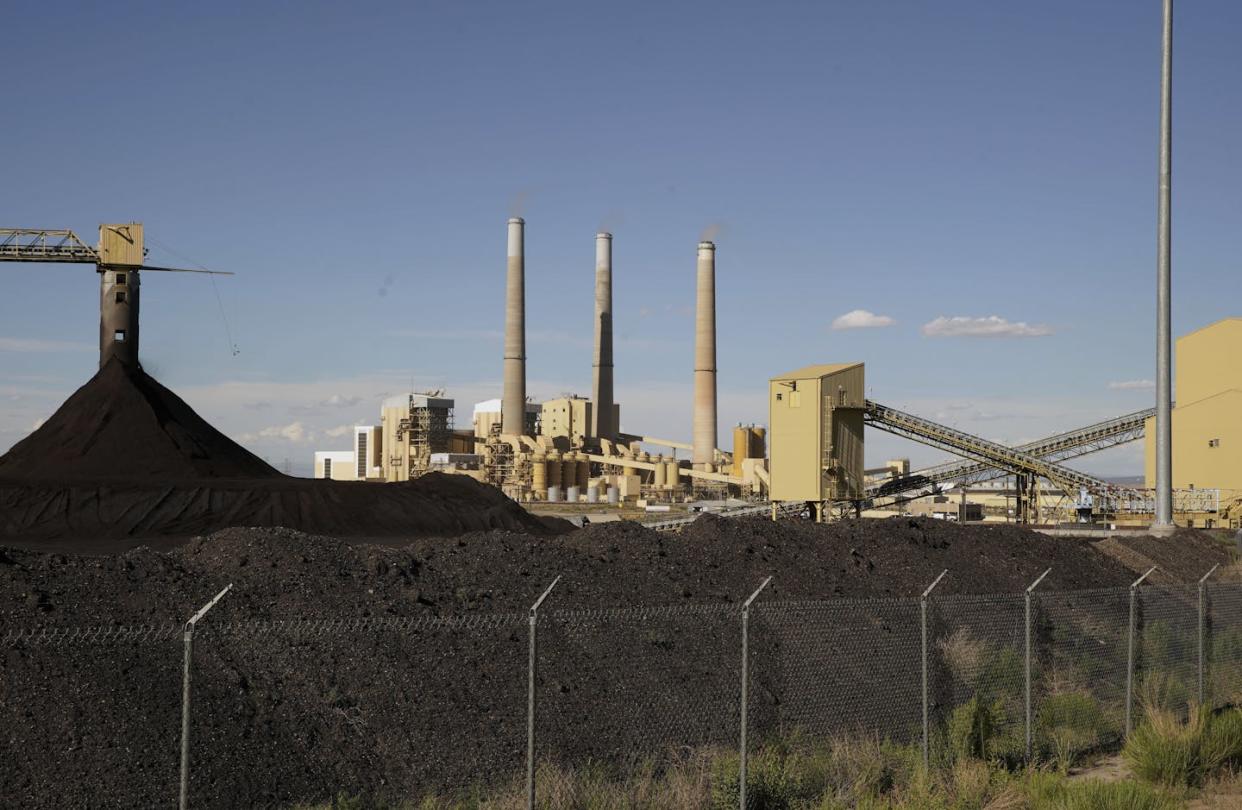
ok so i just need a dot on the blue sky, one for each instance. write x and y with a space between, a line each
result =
355 166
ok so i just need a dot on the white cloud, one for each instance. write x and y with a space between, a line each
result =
1132 385
338 431
861 319
38 423
12 344
991 326
338 401
292 432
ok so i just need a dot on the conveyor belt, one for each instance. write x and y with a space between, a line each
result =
1058 447
978 449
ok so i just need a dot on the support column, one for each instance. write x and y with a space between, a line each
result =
118 314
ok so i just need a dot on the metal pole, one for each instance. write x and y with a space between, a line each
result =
1203 625
188 635
1164 338
1029 591
1130 651
923 629
741 768
530 699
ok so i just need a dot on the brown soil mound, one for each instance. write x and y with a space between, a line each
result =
284 715
123 425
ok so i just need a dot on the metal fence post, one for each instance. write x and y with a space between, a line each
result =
741 767
530 699
1029 719
923 629
188 638
1130 651
1203 626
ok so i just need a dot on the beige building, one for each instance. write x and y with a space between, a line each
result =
338 465
413 426
1207 419
815 433
572 418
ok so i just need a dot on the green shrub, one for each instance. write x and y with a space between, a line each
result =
973 727
1091 794
1221 745
1068 725
1164 750
772 781
1169 752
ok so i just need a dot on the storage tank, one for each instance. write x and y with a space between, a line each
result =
573 495
554 469
554 494
661 472
673 474
592 494
569 471
741 448
614 495
584 471
539 475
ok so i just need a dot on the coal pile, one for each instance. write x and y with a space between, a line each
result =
125 459
124 426
401 670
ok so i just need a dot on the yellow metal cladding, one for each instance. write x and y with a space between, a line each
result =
815 435
1207 428
121 244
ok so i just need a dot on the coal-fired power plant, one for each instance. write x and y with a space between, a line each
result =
705 359
601 389
572 448
513 398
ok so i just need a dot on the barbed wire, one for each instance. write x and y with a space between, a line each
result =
51 635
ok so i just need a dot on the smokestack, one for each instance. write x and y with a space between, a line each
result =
705 359
602 396
513 402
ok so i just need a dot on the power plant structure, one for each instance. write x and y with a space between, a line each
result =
572 450
569 449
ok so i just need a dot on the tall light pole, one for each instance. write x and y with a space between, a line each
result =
1164 339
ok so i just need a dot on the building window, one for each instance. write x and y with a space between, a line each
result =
120 297
327 468
119 336
120 278
361 452
1213 442
779 396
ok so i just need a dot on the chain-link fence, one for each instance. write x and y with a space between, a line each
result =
306 712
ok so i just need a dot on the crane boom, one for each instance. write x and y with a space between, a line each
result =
46 245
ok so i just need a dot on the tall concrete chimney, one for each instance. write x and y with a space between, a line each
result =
602 396
705 359
513 402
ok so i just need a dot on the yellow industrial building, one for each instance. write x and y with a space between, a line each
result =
815 434
1207 418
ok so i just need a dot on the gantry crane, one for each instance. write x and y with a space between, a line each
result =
118 259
